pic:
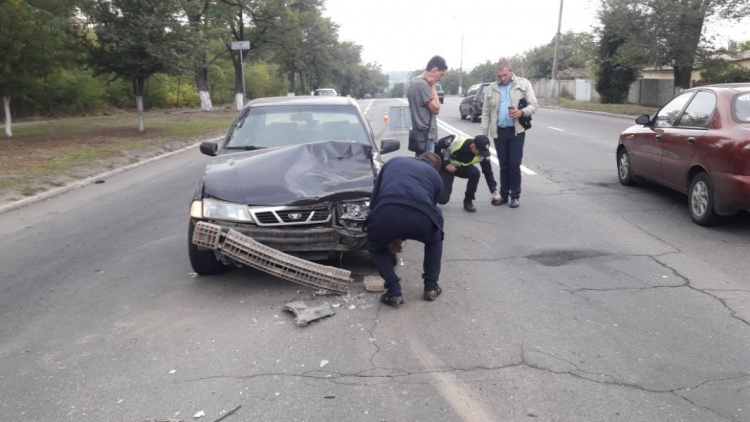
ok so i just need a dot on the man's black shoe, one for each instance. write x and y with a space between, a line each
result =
392 300
431 295
468 206
501 201
514 203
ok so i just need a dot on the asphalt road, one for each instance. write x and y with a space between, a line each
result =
591 302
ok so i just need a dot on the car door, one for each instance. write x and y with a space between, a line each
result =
646 154
680 142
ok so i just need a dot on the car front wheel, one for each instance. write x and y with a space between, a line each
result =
701 200
624 170
461 113
203 262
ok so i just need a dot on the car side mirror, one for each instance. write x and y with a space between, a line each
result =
389 145
209 148
643 119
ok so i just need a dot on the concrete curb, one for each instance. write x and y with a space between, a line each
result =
81 183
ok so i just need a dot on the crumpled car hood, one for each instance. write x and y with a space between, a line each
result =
296 175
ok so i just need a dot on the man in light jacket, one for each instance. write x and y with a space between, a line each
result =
500 121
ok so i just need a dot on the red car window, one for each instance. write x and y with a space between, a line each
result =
698 113
741 108
668 115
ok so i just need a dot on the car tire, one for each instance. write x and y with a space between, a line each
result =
461 113
441 100
624 169
203 262
701 200
474 117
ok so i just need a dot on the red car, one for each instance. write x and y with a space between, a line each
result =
698 144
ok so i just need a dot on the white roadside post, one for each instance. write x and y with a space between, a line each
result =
239 99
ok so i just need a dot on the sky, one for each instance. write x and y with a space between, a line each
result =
402 35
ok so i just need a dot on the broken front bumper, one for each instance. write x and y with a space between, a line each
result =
299 240
243 249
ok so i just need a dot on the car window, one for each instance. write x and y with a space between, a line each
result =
267 127
471 92
438 87
698 113
667 116
741 108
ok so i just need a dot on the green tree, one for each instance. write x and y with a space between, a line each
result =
398 90
673 29
485 72
577 51
619 52
723 71
136 39
32 39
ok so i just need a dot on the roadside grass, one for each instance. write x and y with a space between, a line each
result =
49 154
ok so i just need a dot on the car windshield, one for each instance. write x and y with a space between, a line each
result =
742 108
274 126
328 92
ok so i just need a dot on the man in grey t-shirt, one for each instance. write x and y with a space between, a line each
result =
424 105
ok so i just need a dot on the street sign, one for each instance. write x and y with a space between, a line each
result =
240 45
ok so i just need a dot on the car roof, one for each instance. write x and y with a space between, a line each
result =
302 100
737 86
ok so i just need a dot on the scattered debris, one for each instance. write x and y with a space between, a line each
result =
172 371
199 415
329 397
374 283
228 414
323 363
164 420
305 314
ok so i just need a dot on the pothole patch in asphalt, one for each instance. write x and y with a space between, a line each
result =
559 257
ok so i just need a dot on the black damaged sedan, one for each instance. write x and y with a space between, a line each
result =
293 173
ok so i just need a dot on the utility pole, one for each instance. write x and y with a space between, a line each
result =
461 68
554 59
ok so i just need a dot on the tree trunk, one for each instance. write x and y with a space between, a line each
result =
682 78
201 81
6 106
139 84
291 71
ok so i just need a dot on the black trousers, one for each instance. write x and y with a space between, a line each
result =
467 172
392 222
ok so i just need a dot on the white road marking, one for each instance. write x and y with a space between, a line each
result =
554 128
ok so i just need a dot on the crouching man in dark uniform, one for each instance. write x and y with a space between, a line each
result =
404 206
459 156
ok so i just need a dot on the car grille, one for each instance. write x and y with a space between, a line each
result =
284 216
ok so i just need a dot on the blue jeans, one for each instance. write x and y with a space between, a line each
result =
429 146
392 222
509 147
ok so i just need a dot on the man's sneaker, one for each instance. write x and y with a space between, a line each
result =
501 201
392 300
514 203
432 294
468 206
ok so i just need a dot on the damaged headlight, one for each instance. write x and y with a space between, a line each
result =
221 210
357 210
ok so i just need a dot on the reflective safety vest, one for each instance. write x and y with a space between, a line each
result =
455 146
